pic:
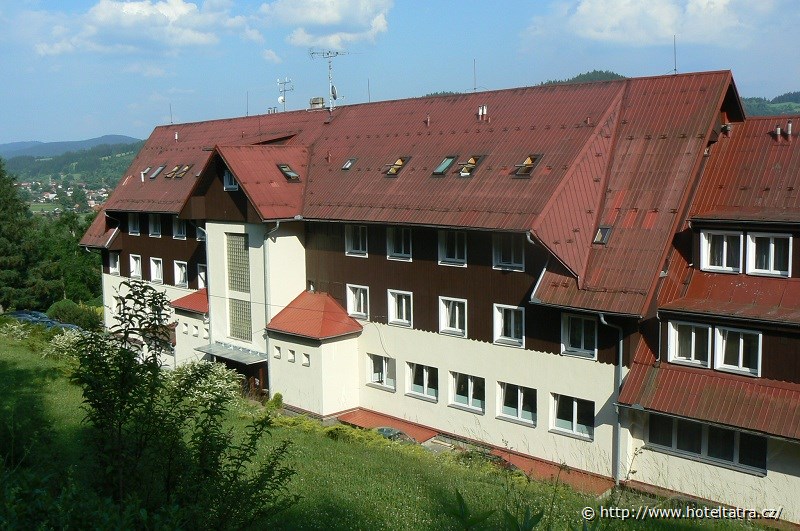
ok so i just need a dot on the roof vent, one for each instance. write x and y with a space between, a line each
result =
789 128
317 102
482 112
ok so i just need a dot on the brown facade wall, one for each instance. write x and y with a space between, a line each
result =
210 201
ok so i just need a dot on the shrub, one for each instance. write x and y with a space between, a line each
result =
68 311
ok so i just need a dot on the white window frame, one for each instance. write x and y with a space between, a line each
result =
229 183
353 293
202 276
500 314
444 325
705 251
575 429
113 262
386 377
177 271
200 233
400 320
566 348
154 225
719 351
392 234
673 343
156 266
135 261
771 270
517 244
353 239
502 390
178 228
460 243
134 228
427 393
471 398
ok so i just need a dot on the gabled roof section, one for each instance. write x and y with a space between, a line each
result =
100 234
191 144
196 302
753 174
314 315
256 169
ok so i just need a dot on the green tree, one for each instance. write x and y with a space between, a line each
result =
16 251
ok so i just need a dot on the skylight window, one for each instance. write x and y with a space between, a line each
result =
288 172
526 168
468 167
183 171
398 165
157 171
348 164
172 172
443 166
602 234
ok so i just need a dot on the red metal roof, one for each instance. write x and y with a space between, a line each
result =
99 234
752 174
256 170
196 302
365 418
315 315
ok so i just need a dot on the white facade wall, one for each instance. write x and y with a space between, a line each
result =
192 331
777 489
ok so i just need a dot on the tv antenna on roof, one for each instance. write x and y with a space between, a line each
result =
283 89
329 55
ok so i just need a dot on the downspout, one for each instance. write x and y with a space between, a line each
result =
266 300
616 450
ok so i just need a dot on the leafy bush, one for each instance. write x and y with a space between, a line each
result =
15 330
68 311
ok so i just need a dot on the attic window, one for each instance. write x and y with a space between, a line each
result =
443 166
348 164
228 182
526 168
395 168
157 171
468 167
602 234
183 171
172 172
288 172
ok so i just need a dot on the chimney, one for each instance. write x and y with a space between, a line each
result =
778 131
176 136
789 129
317 102
480 113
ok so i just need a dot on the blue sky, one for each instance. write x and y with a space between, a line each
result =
83 68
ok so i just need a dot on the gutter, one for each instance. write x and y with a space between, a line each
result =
616 450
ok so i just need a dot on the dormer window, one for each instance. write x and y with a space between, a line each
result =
348 164
443 166
526 168
398 165
721 251
468 167
289 173
769 254
229 184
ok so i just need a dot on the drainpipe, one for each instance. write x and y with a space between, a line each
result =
269 233
617 444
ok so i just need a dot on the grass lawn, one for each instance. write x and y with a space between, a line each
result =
347 478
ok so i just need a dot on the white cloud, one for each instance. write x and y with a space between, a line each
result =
337 23
270 56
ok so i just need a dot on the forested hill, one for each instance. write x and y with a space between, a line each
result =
52 149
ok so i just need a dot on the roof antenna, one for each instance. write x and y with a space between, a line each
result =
329 55
474 77
674 56
283 89
170 113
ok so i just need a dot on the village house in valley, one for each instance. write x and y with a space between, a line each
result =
564 274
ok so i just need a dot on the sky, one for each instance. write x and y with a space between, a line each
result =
79 69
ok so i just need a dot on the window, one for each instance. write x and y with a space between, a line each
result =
195 330
291 357
508 252
306 359
721 251
769 254
468 391
238 262
382 371
395 168
468 167
202 276
526 168
156 270
113 262
400 308
355 240
181 172
186 328
424 381
737 350
452 248
574 416
178 228
689 343
453 316
276 352
708 443
154 225
358 301
289 173
518 403
443 166
133 223
228 181
579 336
239 320
602 235
171 173
181 274
398 243
136 266
157 171
509 325
201 234
348 164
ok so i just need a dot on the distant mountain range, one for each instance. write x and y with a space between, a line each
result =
53 149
